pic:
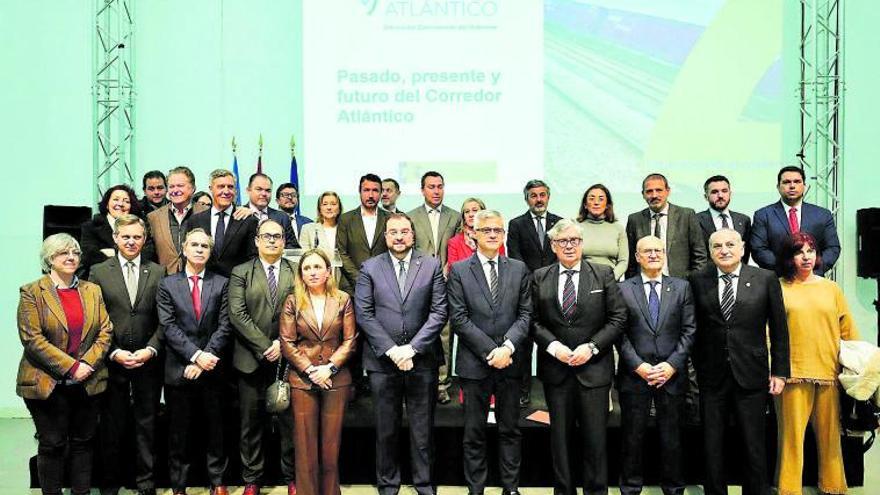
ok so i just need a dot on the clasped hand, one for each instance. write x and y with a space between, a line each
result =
579 356
656 375
320 375
402 356
500 357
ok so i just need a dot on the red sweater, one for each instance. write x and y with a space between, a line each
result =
73 311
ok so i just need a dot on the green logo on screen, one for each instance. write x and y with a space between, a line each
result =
370 5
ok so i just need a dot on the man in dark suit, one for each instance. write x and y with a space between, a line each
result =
359 236
287 198
719 216
390 193
129 283
734 304
259 192
155 188
527 241
166 223
490 309
400 304
257 290
676 226
774 223
578 316
194 316
653 351
233 237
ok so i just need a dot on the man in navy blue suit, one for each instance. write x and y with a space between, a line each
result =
259 191
194 317
287 197
774 223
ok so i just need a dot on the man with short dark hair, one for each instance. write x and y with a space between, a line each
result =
718 192
129 284
400 303
154 191
527 241
676 226
435 224
390 193
774 223
257 290
259 190
287 198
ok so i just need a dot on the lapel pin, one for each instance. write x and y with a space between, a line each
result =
669 289
748 284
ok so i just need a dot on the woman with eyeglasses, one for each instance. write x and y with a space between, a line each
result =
605 239
818 319
65 330
318 337
97 233
463 245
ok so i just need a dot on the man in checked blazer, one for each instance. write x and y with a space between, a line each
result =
257 289
129 283
490 309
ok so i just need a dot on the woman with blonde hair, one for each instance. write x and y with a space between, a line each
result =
318 337
462 245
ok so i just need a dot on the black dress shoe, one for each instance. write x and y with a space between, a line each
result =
147 491
524 400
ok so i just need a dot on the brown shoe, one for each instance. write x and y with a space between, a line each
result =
251 489
219 490
291 488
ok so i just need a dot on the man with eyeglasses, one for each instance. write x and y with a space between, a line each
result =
578 315
736 304
259 192
400 303
257 290
490 309
653 367
287 197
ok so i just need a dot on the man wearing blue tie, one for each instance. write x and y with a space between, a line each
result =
653 350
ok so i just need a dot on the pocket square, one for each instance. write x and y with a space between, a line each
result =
596 291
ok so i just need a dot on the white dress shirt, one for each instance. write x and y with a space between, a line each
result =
800 210
664 228
647 286
137 267
716 218
721 283
395 262
214 211
277 269
369 226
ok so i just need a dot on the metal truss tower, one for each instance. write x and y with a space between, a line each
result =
113 94
821 104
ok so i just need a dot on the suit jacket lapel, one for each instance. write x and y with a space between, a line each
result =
308 315
50 299
358 228
143 278
117 280
671 224
389 271
707 223
90 312
743 289
422 224
665 303
411 274
207 288
231 230
780 215
379 231
638 290
163 228
503 276
585 285
480 277
331 307
285 281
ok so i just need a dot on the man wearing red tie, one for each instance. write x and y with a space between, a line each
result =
774 223
193 313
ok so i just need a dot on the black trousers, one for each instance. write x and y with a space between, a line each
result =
67 419
569 403
476 409
526 364
132 395
195 416
748 407
256 423
418 389
635 409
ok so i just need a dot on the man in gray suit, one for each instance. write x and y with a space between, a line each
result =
256 293
717 192
676 226
435 223
400 303
359 236
490 310
653 353
129 284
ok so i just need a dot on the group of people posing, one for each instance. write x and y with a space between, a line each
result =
199 299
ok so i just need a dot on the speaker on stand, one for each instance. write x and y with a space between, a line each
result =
868 262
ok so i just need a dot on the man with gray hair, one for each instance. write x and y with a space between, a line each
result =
527 241
489 309
578 316
233 237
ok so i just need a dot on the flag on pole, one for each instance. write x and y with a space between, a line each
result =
294 174
260 156
235 172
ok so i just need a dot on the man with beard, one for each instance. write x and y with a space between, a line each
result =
774 223
717 192
287 198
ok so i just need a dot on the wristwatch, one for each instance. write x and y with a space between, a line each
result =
333 369
593 348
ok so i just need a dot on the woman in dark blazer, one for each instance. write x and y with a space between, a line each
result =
318 337
97 234
65 331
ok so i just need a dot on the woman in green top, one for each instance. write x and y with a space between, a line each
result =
605 239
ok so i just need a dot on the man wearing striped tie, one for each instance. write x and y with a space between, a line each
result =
257 290
735 304
578 315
